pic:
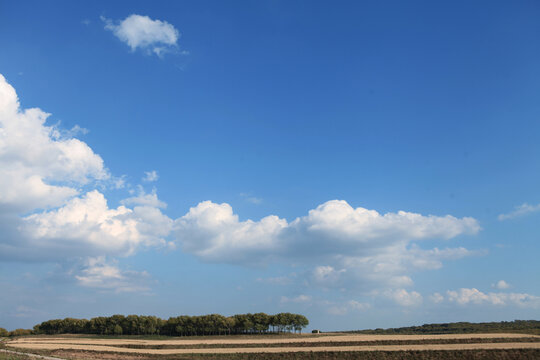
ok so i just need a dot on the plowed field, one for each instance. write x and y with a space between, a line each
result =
278 344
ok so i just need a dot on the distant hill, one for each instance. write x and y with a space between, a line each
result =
520 326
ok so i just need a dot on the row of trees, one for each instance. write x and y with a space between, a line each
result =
17 332
214 324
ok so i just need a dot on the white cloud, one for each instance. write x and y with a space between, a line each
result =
335 228
520 210
150 176
404 298
436 298
48 209
48 172
145 200
355 246
326 275
466 296
105 276
432 258
212 232
501 285
142 32
88 223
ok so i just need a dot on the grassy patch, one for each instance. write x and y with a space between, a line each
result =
7 356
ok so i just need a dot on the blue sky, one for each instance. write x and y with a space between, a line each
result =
367 164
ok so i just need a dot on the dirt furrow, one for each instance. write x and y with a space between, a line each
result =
487 346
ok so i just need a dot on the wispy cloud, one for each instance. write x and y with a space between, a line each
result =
345 308
251 199
106 276
520 210
297 299
150 176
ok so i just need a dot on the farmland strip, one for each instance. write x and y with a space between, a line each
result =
510 345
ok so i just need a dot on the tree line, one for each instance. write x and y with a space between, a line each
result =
529 326
214 324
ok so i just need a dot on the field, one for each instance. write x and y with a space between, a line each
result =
324 346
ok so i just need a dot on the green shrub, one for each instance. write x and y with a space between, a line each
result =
20 332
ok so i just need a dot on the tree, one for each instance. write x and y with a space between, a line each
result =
20 332
3 332
261 322
117 330
299 322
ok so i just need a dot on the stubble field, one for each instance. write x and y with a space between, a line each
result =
343 346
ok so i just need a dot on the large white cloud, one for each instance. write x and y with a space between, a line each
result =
49 206
35 157
142 32
88 223
350 245
214 233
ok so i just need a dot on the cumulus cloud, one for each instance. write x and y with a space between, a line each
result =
351 245
404 298
214 233
88 223
519 211
466 296
101 275
501 285
50 208
48 172
145 199
139 31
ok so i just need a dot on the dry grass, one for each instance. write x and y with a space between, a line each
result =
262 341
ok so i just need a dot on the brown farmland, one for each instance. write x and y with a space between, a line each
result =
298 344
